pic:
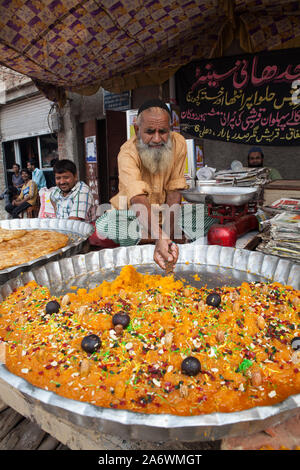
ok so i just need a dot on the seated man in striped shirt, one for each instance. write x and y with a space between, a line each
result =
71 199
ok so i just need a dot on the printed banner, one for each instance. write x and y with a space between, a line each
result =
248 99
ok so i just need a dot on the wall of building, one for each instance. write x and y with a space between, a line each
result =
140 95
285 159
10 80
79 110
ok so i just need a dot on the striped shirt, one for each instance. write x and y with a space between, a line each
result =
79 203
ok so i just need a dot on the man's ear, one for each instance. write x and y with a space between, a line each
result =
136 128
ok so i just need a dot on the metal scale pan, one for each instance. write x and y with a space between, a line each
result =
215 265
233 196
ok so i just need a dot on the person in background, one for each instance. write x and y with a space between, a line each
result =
11 192
17 179
37 175
27 197
256 160
71 199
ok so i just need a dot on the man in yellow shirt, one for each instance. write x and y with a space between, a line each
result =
151 173
26 198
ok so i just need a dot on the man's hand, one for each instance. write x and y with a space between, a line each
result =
165 252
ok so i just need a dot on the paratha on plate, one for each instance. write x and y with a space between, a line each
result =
6 235
22 246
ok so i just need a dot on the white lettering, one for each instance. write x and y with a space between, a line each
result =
296 93
109 460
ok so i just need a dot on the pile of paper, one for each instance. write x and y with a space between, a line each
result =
245 177
285 204
282 236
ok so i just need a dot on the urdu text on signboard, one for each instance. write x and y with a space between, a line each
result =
247 99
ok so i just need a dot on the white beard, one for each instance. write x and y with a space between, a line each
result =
155 159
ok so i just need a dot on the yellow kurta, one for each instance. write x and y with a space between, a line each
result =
135 180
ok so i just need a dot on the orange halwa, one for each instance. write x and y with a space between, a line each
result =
243 345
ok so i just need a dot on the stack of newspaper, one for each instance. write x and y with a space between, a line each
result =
284 204
245 176
282 236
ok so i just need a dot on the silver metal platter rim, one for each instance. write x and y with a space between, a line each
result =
269 267
75 226
210 190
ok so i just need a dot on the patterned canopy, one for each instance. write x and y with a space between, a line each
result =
124 44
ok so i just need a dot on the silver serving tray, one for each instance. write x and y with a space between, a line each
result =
235 196
77 231
215 265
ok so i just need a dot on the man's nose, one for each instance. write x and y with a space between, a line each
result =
156 138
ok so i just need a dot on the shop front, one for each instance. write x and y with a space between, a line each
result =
27 133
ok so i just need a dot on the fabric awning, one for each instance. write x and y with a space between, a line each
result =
68 45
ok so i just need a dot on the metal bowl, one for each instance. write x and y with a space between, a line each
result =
224 195
216 265
77 231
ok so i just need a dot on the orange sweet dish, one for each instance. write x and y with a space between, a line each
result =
244 345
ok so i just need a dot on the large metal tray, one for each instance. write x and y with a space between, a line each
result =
77 231
216 265
235 196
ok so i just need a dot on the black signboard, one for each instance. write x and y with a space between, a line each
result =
247 99
117 101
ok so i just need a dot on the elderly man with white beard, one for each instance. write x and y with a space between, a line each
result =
151 174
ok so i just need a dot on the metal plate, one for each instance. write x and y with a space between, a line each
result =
235 196
216 266
77 231
192 195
